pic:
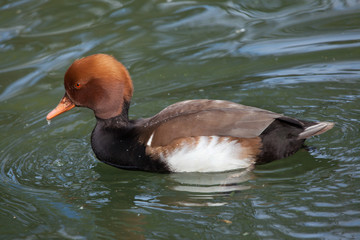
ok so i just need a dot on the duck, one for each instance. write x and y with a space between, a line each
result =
198 135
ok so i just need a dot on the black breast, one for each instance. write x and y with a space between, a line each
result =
118 145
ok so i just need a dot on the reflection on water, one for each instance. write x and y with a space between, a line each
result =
212 182
297 58
208 186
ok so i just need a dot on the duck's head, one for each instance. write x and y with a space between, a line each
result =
98 82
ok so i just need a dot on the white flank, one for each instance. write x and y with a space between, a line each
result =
209 155
150 140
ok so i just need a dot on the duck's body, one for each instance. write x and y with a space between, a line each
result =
189 136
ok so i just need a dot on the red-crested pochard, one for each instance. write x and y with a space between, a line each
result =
189 136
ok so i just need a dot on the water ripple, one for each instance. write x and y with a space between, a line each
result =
293 58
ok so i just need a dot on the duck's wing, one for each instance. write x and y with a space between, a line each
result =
207 118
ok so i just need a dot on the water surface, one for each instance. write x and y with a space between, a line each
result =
299 58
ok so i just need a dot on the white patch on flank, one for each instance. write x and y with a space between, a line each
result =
209 155
150 140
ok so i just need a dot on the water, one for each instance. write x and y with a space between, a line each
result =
300 58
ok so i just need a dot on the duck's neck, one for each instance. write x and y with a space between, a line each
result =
112 138
115 141
119 121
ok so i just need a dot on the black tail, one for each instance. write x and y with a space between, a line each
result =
285 136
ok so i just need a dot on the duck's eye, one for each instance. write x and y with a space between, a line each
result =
77 85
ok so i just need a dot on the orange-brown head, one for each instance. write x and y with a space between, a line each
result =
98 82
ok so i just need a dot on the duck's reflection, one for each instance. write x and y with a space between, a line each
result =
135 199
202 189
212 182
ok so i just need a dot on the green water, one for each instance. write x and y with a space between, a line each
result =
300 58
